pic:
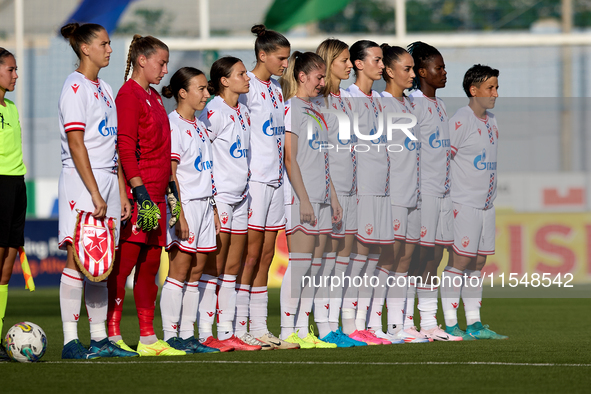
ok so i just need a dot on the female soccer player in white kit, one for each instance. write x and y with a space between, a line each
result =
313 204
404 175
343 173
474 143
91 180
374 212
193 235
436 207
266 212
228 125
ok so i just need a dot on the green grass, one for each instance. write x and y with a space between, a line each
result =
554 331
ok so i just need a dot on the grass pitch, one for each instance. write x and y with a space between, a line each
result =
549 350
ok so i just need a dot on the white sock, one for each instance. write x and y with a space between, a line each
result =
321 298
171 301
189 310
366 292
409 307
259 299
71 283
96 297
307 298
350 292
379 296
451 287
472 296
291 290
226 306
428 306
336 293
396 300
242 306
207 302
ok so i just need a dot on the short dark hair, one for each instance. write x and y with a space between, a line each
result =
476 75
421 54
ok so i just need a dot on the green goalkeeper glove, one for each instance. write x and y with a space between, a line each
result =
172 196
148 213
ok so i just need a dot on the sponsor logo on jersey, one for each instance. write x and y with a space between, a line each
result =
201 165
481 164
188 132
456 213
455 305
411 145
232 117
75 88
148 101
435 142
270 130
209 114
72 205
105 130
236 150
263 94
465 242
458 124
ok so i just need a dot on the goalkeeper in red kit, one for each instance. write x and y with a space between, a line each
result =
144 151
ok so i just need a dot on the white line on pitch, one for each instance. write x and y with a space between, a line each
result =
325 363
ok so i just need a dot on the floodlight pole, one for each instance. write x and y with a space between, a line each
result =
204 19
566 162
400 15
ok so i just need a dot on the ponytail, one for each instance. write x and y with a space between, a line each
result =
268 41
146 46
298 62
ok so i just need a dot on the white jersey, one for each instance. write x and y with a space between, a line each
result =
341 156
265 104
229 132
190 146
405 168
373 161
435 145
312 160
474 143
88 106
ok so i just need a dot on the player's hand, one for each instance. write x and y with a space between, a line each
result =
148 213
216 222
100 206
182 228
174 203
307 212
125 207
337 210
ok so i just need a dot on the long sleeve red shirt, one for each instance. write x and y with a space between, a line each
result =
143 138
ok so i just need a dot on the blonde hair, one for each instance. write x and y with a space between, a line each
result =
146 46
298 62
329 50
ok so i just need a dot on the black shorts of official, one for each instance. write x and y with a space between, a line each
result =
13 209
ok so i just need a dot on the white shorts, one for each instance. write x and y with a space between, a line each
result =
407 224
349 223
474 231
73 196
374 220
436 221
199 216
266 211
234 218
322 225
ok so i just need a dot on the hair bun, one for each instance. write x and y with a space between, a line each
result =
385 46
68 30
259 30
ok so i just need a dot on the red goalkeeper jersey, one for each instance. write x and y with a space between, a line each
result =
143 138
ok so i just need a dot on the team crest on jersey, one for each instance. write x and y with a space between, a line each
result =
224 218
458 125
209 113
75 88
249 212
396 224
465 242
134 230
368 228
263 94
423 231
339 225
191 237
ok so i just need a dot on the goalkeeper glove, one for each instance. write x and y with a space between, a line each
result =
172 196
148 213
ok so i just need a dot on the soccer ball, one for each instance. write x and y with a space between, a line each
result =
25 342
